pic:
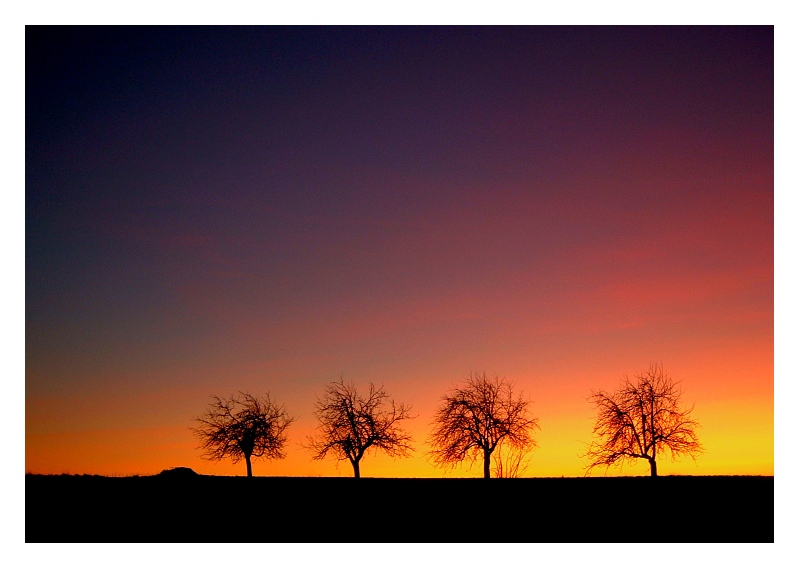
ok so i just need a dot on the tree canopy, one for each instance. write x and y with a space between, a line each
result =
350 424
473 420
640 420
243 426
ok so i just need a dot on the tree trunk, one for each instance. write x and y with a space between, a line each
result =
486 464
356 468
653 467
249 465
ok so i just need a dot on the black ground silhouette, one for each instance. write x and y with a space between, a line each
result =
179 505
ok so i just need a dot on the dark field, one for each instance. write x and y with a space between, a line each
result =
184 507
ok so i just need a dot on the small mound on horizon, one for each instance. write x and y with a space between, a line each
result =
179 472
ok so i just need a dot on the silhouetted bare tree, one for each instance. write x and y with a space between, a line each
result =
350 424
642 418
475 419
243 427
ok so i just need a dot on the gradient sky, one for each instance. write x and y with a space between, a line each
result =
209 210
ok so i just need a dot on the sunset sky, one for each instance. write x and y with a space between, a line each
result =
214 210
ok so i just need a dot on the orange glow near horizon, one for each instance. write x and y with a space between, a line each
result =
736 432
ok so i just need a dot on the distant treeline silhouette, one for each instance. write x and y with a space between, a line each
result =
476 421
